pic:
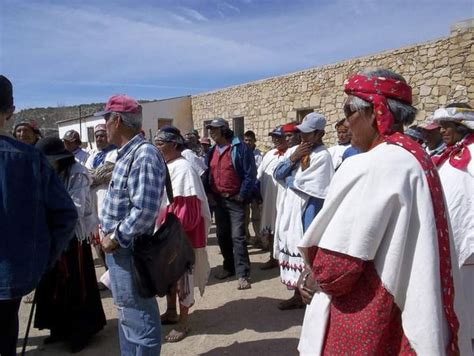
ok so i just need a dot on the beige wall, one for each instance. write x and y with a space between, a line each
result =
439 71
177 109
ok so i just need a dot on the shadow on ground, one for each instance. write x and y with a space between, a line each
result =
261 347
241 314
100 344
256 274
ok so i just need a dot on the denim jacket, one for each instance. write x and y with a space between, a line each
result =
244 165
37 217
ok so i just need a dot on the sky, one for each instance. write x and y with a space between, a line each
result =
70 52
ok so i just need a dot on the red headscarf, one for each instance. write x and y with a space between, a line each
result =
376 90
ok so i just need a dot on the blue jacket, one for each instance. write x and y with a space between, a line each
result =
37 217
244 164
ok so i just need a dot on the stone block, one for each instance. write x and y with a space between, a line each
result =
443 72
444 81
456 60
315 101
339 79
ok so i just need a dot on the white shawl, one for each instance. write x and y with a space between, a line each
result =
458 186
312 182
186 182
268 189
379 208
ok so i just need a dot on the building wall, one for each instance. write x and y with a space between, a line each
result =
439 71
178 110
86 122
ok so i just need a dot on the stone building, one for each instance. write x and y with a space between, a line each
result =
440 71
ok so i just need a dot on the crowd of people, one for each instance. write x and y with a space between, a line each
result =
374 235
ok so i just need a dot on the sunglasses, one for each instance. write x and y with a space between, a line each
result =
348 110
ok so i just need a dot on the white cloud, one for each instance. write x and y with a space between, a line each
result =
193 14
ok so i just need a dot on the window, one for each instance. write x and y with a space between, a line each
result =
164 122
300 114
238 125
205 132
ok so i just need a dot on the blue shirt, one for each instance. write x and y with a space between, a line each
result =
133 199
37 217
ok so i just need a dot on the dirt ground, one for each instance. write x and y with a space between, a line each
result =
225 321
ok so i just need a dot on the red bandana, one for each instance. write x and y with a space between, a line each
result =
279 152
457 154
289 128
376 90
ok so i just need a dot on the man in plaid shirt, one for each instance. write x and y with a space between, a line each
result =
130 209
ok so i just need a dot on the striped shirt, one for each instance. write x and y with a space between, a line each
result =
133 199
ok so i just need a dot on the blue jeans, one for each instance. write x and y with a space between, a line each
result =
230 230
139 318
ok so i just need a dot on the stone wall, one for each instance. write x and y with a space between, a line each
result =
439 71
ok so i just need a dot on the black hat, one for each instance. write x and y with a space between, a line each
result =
53 148
219 122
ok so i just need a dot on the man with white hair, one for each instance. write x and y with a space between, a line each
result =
456 170
382 275
306 172
130 209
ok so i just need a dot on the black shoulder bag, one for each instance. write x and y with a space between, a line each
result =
161 259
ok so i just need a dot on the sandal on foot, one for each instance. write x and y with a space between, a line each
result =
178 334
244 283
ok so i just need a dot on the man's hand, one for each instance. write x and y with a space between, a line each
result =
302 150
108 245
307 286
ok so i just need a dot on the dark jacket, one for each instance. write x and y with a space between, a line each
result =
37 217
244 164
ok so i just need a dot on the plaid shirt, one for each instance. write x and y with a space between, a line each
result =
133 199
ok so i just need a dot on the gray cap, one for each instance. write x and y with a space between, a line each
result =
220 122
312 122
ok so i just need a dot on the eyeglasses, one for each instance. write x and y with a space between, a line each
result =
348 110
109 116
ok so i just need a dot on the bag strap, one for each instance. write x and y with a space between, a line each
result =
169 188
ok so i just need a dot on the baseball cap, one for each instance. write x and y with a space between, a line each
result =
205 141
277 132
120 103
220 122
312 122
72 136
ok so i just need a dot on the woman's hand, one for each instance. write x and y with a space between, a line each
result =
307 286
